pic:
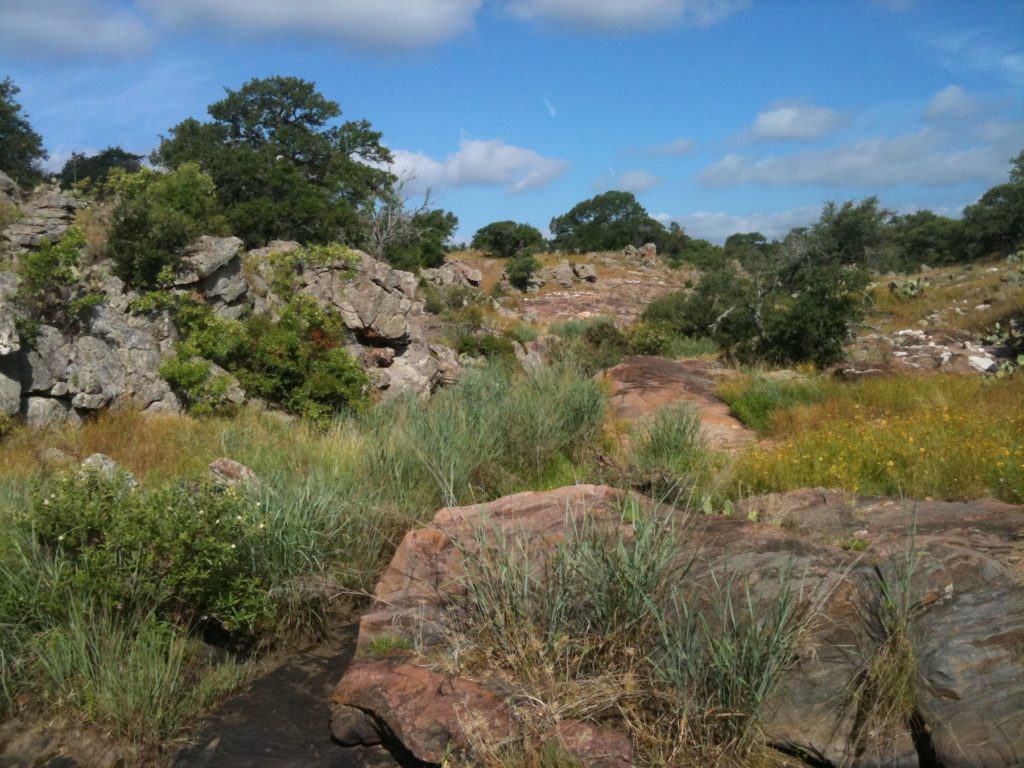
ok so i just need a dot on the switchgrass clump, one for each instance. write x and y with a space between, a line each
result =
668 456
721 654
495 433
128 672
884 695
900 436
613 625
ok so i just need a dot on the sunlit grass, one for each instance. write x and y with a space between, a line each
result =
939 436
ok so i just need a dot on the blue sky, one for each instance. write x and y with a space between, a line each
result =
723 115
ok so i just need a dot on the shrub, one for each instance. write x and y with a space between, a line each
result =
155 216
486 345
520 269
804 309
193 381
506 239
50 289
295 361
185 551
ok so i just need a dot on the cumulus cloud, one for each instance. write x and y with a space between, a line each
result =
629 181
479 163
717 226
952 101
916 158
637 181
617 16
70 29
794 122
676 148
377 24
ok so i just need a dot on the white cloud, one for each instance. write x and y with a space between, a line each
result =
952 101
971 50
676 148
376 24
618 15
482 163
801 122
716 227
916 158
629 181
550 107
70 29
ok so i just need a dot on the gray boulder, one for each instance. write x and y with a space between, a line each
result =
10 395
585 272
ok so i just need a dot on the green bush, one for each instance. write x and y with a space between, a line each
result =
155 216
295 361
186 551
486 345
506 239
802 310
50 289
194 383
520 269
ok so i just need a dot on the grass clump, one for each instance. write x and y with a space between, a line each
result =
755 399
612 625
131 673
496 432
668 457
899 436
884 694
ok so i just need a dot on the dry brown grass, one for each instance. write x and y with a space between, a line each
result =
963 287
156 446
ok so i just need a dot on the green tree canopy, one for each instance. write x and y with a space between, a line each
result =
424 241
609 221
282 167
996 221
506 239
97 167
21 148
156 215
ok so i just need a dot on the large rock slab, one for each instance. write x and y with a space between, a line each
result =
969 584
968 631
642 385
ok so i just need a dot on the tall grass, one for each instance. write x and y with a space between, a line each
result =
132 674
884 695
331 507
612 625
668 456
491 435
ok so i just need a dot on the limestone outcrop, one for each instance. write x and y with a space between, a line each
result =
113 360
45 215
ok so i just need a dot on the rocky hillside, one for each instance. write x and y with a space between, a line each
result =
49 375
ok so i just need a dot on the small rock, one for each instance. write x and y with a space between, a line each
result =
102 464
982 364
228 473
